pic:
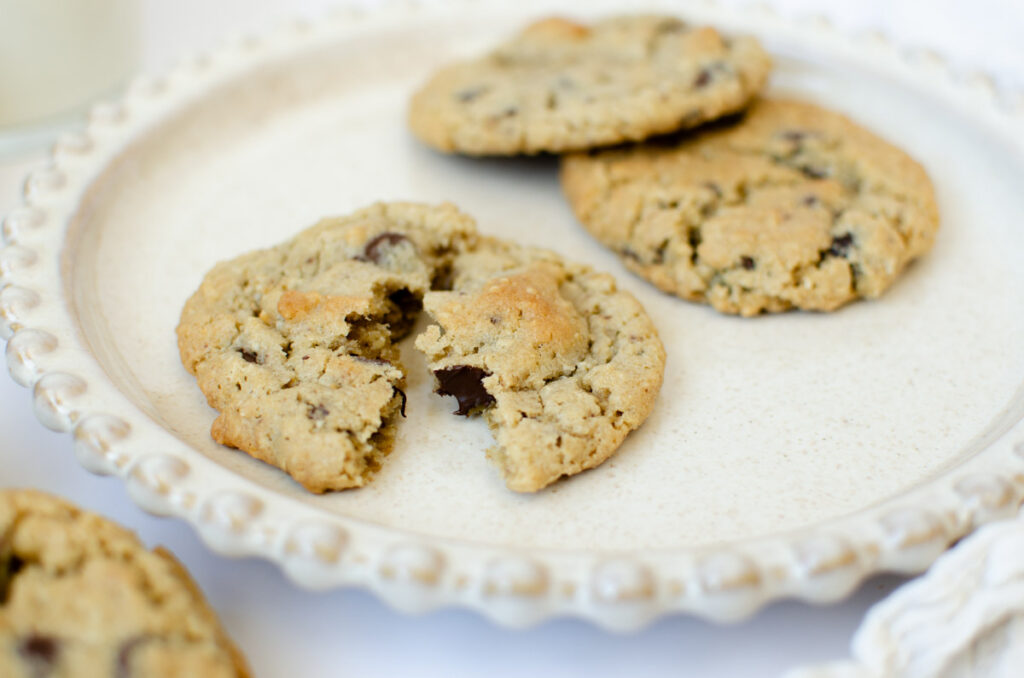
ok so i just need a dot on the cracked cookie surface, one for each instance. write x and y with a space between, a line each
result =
294 345
791 206
561 364
560 86
81 597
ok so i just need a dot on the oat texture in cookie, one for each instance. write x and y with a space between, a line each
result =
81 597
294 345
561 364
560 86
791 206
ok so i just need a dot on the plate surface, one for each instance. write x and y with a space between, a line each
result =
787 455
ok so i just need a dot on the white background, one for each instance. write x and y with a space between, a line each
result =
285 631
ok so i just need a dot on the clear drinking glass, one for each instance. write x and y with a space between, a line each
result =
56 57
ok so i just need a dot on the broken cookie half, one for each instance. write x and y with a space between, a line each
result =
295 347
561 364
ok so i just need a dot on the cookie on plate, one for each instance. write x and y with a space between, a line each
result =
561 86
81 596
295 346
562 364
791 206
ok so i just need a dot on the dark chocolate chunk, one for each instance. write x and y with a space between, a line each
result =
443 278
249 356
747 263
841 245
466 384
401 393
694 237
407 302
317 412
8 569
703 78
372 251
40 653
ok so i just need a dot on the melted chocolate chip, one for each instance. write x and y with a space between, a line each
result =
401 393
841 245
249 356
694 238
747 263
372 250
407 302
443 278
703 78
317 412
466 384
39 652
8 569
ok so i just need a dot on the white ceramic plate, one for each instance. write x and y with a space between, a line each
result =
787 456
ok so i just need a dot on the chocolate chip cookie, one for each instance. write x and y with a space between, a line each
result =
295 347
560 86
81 596
790 206
561 364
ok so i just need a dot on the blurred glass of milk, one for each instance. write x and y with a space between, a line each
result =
57 56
